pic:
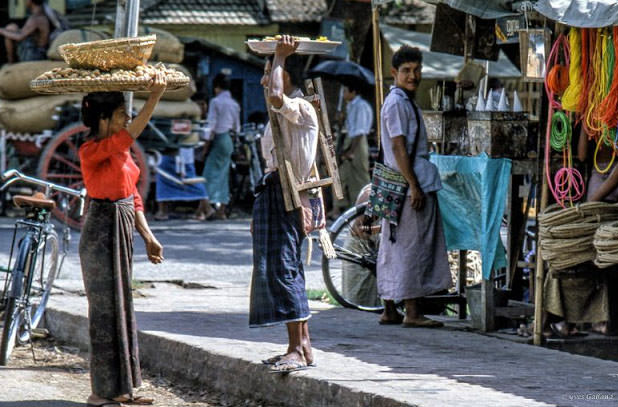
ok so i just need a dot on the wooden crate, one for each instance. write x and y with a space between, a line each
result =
499 134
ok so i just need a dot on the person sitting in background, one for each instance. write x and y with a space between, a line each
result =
584 298
32 40
354 158
223 117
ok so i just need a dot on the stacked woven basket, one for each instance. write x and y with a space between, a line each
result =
107 65
567 236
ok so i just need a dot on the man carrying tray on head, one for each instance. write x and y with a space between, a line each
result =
278 283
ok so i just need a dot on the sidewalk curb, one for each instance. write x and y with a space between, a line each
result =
238 377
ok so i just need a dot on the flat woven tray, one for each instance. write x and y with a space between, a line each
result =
56 86
305 47
117 53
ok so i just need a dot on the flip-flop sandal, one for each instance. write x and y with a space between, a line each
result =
273 360
423 323
287 366
137 400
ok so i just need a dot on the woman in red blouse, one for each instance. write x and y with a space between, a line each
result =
106 244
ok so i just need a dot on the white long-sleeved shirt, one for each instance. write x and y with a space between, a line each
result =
298 122
359 117
223 114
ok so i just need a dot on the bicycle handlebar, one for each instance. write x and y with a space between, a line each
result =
13 176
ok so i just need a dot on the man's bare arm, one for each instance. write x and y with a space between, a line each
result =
28 29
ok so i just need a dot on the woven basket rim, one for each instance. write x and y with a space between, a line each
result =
145 40
96 85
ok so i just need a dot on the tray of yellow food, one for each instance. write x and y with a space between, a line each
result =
306 46
117 53
71 80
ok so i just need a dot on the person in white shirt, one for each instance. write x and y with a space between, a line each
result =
278 293
223 117
354 157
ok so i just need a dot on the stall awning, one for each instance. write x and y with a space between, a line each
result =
580 13
483 8
437 65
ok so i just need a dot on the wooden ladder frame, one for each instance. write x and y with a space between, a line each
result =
290 188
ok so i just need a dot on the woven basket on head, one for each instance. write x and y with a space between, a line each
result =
117 53
59 86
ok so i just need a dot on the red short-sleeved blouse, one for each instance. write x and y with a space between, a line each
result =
109 171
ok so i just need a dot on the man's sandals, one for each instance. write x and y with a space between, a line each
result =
286 366
275 359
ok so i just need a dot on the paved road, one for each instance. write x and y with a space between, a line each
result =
194 251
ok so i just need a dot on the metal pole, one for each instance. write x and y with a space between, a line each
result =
121 11
377 62
127 21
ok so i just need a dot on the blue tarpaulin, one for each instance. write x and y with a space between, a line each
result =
472 203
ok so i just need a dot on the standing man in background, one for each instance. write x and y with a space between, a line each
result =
354 158
223 117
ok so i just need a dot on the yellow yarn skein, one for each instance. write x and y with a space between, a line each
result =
570 98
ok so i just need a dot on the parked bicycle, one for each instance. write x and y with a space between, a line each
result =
29 278
351 277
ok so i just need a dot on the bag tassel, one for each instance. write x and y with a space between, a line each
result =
327 246
309 251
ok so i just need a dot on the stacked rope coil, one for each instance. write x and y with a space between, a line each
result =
606 245
567 235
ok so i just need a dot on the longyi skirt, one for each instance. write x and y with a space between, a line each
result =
278 281
106 255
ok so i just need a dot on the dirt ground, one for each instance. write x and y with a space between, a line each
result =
66 368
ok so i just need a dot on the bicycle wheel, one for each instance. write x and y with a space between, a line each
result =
14 311
45 270
351 277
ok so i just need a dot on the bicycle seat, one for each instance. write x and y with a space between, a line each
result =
37 200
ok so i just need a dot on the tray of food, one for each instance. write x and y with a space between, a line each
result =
117 53
306 46
71 80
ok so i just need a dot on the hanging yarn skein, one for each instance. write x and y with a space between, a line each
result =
609 105
568 183
570 98
597 90
551 87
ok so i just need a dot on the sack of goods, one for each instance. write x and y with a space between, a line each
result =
107 65
72 37
567 235
169 109
33 115
168 48
15 78
606 245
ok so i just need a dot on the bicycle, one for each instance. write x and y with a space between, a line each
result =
29 279
351 276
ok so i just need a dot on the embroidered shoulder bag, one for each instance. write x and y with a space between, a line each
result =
389 188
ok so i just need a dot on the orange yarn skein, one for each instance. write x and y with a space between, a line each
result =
558 79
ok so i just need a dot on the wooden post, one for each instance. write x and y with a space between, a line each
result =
327 146
282 162
540 271
488 307
377 65
462 276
